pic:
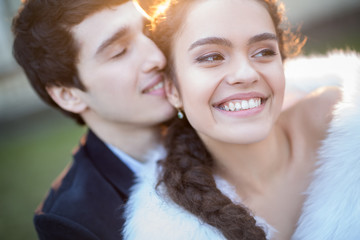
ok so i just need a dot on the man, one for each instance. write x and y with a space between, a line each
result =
91 60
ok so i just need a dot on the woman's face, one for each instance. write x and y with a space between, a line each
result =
229 70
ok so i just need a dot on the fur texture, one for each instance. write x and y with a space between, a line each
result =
332 206
151 215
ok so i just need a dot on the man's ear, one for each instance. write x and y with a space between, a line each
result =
67 98
173 95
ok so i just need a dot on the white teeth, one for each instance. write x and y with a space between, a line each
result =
231 106
242 105
156 87
159 85
251 103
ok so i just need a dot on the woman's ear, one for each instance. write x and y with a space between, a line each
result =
172 94
67 98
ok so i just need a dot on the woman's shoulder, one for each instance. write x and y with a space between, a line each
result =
307 121
315 112
314 86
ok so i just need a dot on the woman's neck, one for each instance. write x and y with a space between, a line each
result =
252 167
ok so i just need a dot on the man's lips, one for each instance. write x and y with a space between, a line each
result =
156 84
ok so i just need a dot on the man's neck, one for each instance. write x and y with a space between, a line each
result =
136 141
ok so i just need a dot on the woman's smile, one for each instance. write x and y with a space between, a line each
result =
242 104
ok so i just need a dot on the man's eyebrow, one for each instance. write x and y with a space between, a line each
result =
120 33
262 37
211 40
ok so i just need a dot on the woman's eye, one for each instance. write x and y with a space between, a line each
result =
265 53
215 57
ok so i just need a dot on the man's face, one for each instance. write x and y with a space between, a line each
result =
121 69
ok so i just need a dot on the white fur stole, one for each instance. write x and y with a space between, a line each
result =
332 207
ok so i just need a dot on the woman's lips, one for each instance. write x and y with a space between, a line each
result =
242 104
238 105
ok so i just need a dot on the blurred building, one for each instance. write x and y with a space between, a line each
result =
323 21
328 24
309 11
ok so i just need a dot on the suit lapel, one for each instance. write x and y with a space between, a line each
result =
109 165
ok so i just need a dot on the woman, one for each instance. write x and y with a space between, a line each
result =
237 165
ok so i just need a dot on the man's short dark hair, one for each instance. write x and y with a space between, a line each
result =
44 46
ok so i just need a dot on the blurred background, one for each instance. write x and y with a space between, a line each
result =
36 142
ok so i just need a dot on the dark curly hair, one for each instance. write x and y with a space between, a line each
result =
188 169
44 46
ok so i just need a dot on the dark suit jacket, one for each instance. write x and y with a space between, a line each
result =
86 202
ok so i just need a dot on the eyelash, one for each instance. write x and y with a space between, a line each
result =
119 54
265 53
216 57
206 58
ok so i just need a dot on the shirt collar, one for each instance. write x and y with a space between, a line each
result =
133 164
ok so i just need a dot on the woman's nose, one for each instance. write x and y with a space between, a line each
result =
242 73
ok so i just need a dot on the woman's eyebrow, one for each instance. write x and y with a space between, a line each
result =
225 42
211 40
262 37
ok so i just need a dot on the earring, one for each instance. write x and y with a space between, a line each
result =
180 114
